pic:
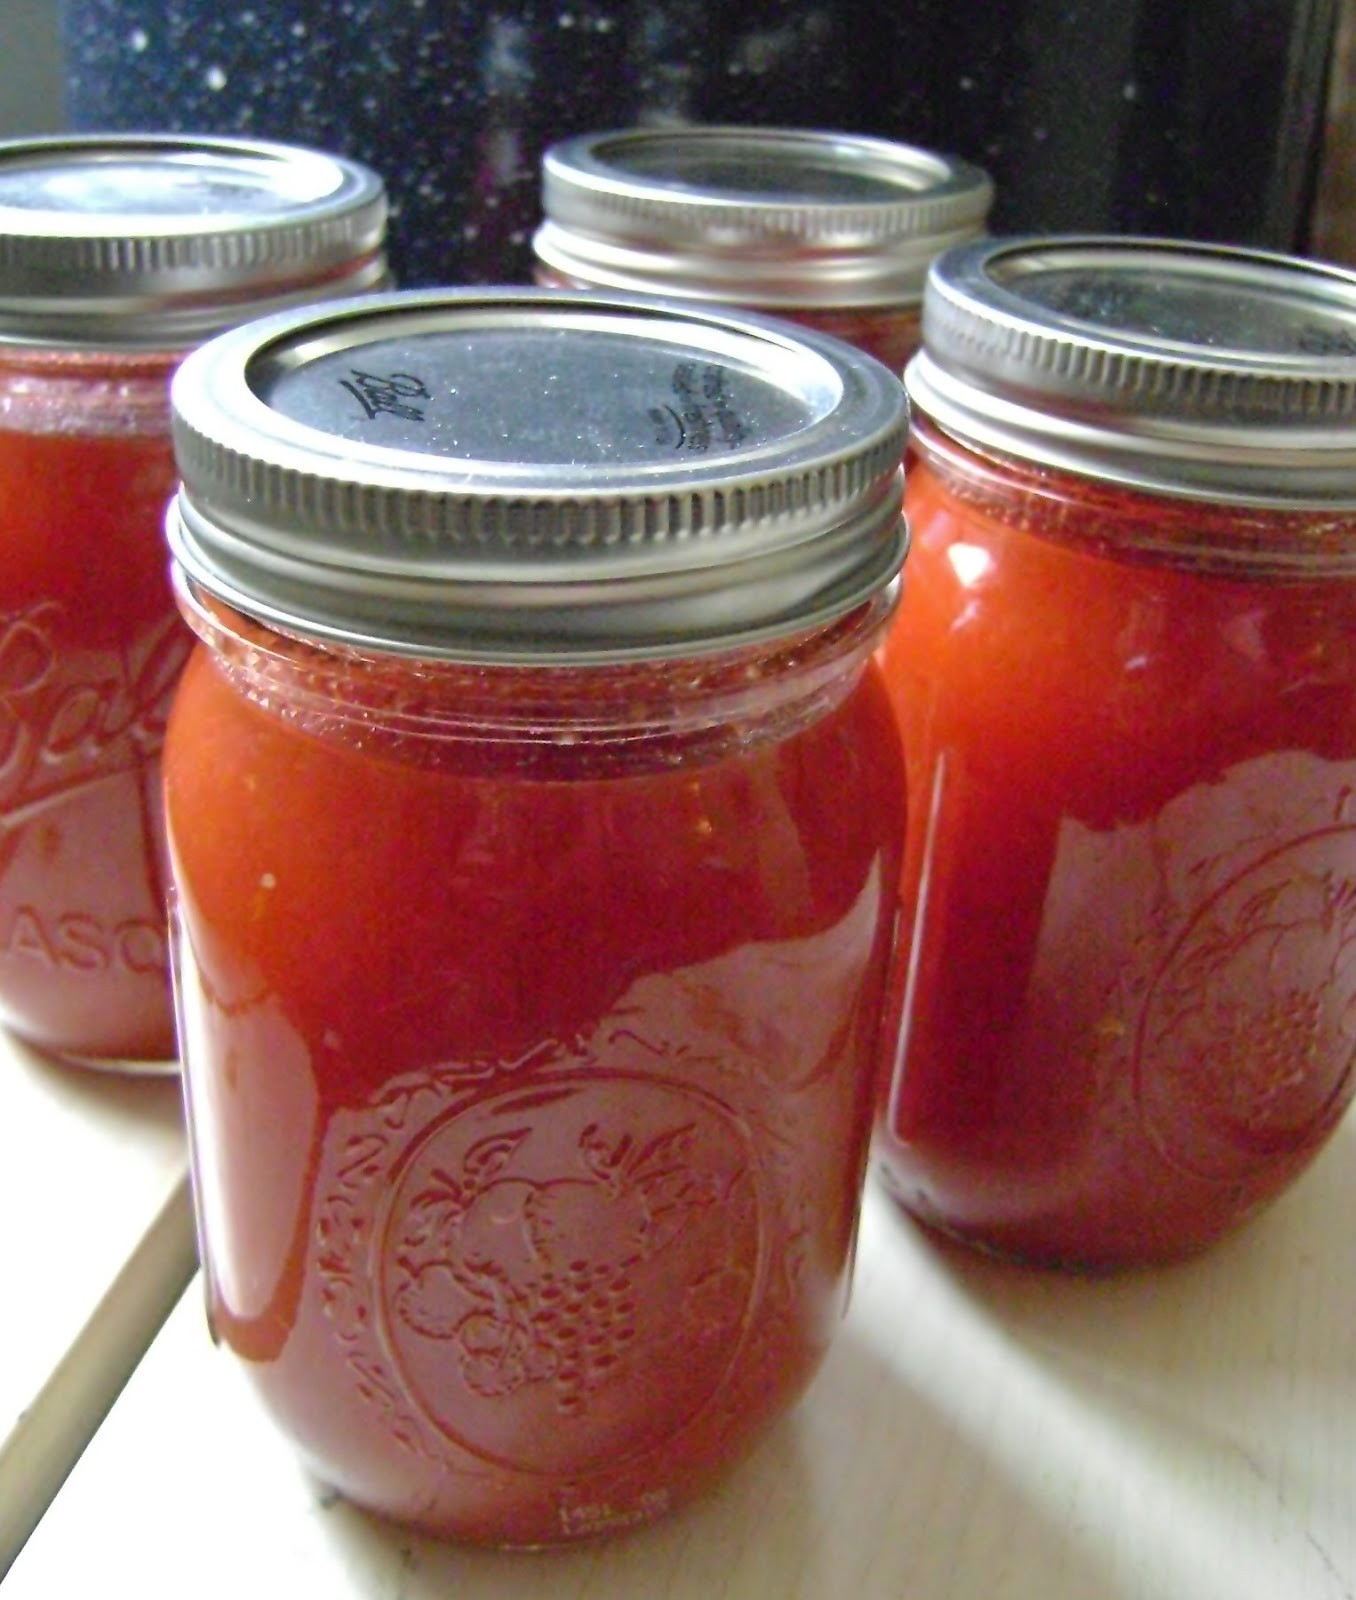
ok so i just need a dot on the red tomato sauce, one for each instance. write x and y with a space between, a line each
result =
90 648
1130 1014
890 333
538 1074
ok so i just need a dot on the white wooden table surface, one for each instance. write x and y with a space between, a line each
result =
979 1431
96 1244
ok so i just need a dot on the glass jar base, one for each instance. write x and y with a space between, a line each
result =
96 1061
1025 1245
123 1066
575 1527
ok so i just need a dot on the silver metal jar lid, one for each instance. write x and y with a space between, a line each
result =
1189 369
533 475
768 217
150 240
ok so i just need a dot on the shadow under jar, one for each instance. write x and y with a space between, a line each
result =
117 254
832 230
535 807
1125 671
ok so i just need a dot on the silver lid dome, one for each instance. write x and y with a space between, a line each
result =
525 475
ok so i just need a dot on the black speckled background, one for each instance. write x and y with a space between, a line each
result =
1199 118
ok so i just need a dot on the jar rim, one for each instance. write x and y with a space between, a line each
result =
588 716
1279 543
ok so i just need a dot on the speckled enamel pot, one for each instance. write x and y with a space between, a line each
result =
454 101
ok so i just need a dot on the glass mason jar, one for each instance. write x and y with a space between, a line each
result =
535 810
833 230
116 254
1126 676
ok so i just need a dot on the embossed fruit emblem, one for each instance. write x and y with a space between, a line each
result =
1247 1043
567 1274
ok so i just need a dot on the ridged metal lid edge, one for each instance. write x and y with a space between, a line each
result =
381 544
76 265
1263 414
647 230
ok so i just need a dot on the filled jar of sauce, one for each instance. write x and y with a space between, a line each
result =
116 255
535 809
1125 671
834 230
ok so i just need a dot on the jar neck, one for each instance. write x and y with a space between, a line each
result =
1135 524
566 721
52 390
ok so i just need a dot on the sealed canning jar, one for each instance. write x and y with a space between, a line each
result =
1126 674
535 810
834 230
116 254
